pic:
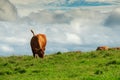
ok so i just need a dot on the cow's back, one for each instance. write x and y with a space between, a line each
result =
42 41
102 48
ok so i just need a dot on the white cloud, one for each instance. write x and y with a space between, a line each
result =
14 33
7 11
50 17
70 29
14 40
73 39
29 2
113 19
24 2
6 48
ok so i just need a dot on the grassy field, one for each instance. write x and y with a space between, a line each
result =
94 65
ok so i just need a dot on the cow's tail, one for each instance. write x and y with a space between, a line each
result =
33 32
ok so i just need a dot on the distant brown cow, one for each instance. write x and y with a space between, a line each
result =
102 48
38 43
114 48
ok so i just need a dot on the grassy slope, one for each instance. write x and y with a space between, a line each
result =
95 65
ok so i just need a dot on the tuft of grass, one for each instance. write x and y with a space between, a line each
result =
59 52
97 72
20 70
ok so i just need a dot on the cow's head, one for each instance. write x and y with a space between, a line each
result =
40 52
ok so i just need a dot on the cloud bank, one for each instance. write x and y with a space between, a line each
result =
113 19
7 11
82 28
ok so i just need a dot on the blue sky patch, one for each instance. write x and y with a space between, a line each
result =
84 3
80 3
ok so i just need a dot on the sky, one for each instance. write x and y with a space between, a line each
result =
68 24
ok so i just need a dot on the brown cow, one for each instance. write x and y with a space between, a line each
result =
38 43
102 48
114 48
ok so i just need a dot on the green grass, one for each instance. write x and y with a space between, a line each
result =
94 65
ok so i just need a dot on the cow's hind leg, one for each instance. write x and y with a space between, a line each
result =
33 53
